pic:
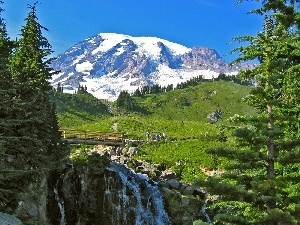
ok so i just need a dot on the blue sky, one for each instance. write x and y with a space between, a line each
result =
207 23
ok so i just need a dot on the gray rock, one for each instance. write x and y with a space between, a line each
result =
119 151
183 186
6 219
163 184
173 183
188 190
168 174
166 191
133 151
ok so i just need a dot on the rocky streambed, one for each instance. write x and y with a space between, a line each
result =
106 191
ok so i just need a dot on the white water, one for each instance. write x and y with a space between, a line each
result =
60 203
203 211
145 202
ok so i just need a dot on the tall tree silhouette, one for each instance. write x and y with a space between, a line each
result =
35 145
260 186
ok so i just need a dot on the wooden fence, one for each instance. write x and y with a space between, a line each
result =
92 137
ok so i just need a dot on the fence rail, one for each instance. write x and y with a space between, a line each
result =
92 137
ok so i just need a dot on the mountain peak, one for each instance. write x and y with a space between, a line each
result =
147 45
108 63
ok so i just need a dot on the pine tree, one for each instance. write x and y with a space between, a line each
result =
31 68
32 143
9 174
260 185
137 93
5 50
125 101
59 88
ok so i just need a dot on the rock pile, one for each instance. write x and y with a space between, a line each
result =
183 201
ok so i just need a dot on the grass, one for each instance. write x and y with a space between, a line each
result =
184 157
181 114
196 102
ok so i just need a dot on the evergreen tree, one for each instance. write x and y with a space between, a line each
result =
260 185
137 93
59 88
222 76
33 143
155 89
169 87
125 101
145 90
8 174
82 90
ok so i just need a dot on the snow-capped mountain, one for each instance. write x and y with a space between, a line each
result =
108 63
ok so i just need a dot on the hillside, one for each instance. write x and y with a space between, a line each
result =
197 102
181 114
76 109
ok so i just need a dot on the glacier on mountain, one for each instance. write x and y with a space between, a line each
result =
108 63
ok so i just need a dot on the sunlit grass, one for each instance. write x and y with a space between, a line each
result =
180 114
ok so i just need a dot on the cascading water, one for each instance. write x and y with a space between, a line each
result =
61 207
60 203
112 195
138 199
203 211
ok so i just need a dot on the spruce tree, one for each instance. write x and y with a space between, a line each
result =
4 111
125 101
10 175
30 66
260 184
32 143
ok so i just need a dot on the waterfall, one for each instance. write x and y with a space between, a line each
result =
113 196
60 203
138 200
203 211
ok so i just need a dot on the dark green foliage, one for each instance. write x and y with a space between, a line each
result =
76 103
7 105
30 143
78 109
192 82
125 101
31 71
59 88
137 93
82 90
197 102
155 88
260 185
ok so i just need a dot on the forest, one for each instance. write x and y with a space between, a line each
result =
260 183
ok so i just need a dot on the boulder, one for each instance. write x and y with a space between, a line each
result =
173 183
163 183
183 186
188 190
132 151
166 191
168 174
6 219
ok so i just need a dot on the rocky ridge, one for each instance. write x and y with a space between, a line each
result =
109 63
